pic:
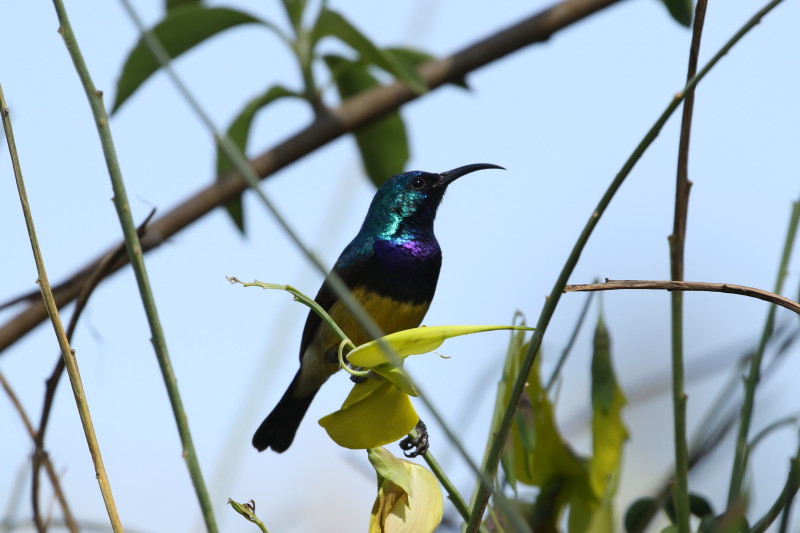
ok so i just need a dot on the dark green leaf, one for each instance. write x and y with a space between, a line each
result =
172 4
331 23
699 506
639 513
383 144
414 58
681 11
238 132
182 29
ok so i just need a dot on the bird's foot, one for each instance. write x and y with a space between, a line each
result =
357 379
416 445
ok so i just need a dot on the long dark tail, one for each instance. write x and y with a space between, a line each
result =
278 429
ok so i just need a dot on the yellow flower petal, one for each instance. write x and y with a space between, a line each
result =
375 413
413 341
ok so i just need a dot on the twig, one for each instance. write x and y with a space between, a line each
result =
355 112
692 286
52 382
66 351
135 255
677 242
555 294
69 520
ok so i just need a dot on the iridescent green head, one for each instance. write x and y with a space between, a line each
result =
409 201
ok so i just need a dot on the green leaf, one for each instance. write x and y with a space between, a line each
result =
608 431
414 341
183 28
681 10
332 24
699 506
172 4
383 144
375 413
639 513
238 132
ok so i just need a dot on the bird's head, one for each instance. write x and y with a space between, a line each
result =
412 198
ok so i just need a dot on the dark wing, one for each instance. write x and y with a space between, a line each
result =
326 296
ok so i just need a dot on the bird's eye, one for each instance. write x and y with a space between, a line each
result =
417 183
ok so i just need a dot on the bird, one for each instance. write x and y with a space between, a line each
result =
391 268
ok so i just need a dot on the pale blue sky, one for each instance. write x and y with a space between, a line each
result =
560 116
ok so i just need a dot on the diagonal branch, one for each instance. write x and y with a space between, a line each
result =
354 113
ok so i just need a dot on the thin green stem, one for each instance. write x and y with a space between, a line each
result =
300 297
677 243
134 249
555 295
754 375
66 351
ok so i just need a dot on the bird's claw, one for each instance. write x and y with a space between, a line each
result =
357 379
416 446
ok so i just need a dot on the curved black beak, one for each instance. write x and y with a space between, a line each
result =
445 178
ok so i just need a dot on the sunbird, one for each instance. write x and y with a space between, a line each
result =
391 266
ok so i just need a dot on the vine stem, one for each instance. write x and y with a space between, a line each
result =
66 351
493 458
136 257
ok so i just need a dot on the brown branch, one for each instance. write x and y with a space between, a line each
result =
683 185
613 285
69 520
353 113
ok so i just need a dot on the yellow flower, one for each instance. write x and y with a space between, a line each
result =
409 499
